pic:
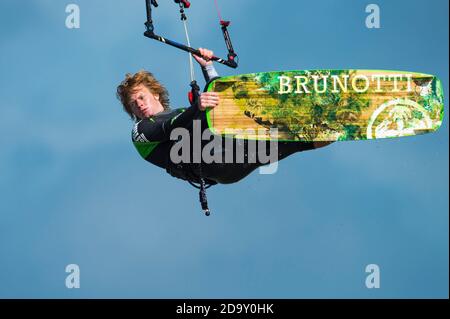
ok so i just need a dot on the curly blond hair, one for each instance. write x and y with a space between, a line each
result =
128 86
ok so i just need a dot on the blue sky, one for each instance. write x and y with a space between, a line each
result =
74 190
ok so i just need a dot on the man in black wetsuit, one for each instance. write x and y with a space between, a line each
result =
147 103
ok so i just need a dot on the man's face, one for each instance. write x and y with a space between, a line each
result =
144 103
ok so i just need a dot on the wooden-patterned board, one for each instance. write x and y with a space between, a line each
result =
326 105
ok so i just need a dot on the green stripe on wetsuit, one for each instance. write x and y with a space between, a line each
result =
145 148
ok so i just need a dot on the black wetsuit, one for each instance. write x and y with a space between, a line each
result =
151 138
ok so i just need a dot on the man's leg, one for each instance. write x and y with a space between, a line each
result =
227 173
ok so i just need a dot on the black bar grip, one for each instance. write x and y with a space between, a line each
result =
230 63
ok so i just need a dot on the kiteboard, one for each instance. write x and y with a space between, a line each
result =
326 105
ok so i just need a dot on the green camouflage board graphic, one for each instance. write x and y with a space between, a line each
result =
327 105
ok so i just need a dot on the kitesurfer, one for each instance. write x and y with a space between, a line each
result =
146 101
